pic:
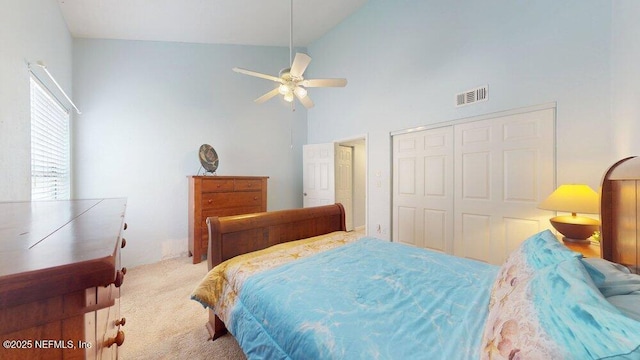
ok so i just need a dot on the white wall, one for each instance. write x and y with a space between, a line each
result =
30 31
405 60
147 108
625 84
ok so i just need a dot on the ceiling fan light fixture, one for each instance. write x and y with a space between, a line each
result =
283 89
288 97
300 92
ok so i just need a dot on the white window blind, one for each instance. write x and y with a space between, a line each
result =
49 146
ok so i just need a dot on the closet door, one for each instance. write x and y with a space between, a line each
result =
504 167
423 188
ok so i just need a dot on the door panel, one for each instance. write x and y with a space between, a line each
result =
476 235
434 229
318 174
435 185
407 225
504 167
422 188
475 173
344 182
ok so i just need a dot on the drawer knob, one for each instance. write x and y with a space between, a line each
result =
121 322
124 243
209 201
120 277
118 339
255 198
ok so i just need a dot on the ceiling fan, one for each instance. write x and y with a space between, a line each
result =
291 81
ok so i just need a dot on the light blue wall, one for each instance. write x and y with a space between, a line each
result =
147 108
406 59
30 31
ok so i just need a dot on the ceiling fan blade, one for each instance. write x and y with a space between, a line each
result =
267 96
324 83
300 63
305 100
257 74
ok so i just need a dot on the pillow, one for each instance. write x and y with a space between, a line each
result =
558 313
611 279
536 252
629 304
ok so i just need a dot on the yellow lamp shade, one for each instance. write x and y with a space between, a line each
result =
573 198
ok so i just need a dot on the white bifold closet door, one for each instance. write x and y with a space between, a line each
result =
472 189
423 189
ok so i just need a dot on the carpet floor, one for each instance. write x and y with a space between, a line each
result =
162 322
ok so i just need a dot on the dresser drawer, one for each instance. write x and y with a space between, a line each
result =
213 185
221 196
230 200
242 185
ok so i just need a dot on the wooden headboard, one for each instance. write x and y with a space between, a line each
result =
620 213
240 234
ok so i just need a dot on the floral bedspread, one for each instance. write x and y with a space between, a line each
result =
343 297
367 299
220 287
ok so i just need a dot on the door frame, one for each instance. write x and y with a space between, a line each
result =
516 111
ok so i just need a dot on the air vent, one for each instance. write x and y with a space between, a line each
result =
472 96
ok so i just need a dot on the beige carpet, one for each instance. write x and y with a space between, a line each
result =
162 321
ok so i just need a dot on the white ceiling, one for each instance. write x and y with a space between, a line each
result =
247 22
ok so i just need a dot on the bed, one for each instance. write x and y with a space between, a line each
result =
293 284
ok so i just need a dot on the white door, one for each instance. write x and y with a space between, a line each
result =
504 167
318 174
344 182
423 188
472 189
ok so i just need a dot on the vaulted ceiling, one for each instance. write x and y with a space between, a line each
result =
246 22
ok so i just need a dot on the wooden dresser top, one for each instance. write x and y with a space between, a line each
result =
48 248
227 177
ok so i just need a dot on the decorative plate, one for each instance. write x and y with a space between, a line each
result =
208 158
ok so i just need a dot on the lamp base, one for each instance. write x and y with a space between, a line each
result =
576 241
575 229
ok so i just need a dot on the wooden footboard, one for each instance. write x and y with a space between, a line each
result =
234 235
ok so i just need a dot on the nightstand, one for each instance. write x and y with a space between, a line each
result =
587 250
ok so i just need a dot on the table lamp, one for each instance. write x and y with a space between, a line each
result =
573 198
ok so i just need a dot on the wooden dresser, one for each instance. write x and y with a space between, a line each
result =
221 196
59 279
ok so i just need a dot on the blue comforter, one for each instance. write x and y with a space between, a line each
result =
370 299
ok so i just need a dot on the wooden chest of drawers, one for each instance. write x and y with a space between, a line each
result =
59 279
221 196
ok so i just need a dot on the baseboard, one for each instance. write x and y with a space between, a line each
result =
174 248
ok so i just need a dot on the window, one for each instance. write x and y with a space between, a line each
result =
49 146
